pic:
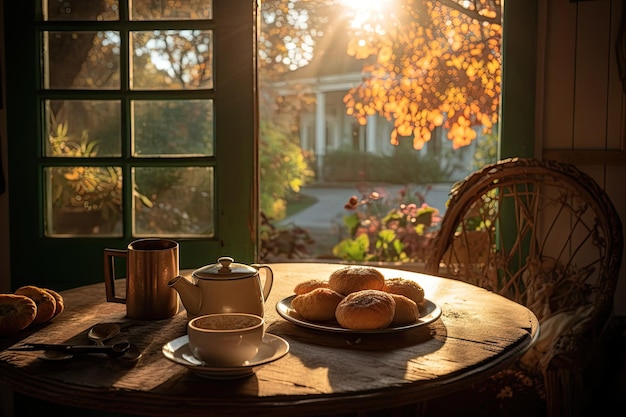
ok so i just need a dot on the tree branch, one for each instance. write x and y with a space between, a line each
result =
494 5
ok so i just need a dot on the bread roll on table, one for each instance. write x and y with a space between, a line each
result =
317 305
356 278
366 310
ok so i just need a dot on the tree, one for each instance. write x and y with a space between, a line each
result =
436 63
435 66
283 167
289 38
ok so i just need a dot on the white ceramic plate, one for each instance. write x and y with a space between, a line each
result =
178 351
429 312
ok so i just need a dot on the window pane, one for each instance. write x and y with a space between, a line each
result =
389 99
174 127
80 10
83 128
82 60
171 9
83 200
174 202
172 60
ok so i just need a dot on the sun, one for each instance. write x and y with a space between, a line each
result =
367 15
365 6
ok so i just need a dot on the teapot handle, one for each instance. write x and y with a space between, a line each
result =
269 279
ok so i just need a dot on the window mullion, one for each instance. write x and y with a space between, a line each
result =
126 118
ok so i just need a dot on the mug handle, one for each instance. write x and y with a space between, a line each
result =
269 279
109 273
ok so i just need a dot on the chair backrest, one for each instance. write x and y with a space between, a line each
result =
542 233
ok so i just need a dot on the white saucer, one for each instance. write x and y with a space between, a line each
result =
178 351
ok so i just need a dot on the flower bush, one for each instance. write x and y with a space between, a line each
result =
389 229
280 244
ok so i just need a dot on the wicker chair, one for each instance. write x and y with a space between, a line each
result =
547 236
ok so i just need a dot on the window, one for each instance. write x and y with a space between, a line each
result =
123 108
165 93
139 130
400 98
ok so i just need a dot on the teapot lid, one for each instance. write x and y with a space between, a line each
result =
225 268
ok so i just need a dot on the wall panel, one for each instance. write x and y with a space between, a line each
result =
616 135
591 65
581 99
558 99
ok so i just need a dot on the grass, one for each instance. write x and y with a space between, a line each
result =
299 203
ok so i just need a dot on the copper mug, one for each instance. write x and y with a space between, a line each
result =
150 264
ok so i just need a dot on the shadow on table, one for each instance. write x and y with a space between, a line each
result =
420 340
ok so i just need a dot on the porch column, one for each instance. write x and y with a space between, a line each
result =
370 135
320 133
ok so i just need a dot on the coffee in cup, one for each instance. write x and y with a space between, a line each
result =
225 339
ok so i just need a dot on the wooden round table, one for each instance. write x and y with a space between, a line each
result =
324 372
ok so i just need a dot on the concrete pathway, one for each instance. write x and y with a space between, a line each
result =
331 200
324 219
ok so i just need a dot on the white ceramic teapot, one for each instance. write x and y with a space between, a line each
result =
224 287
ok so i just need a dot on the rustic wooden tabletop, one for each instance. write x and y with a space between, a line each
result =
323 373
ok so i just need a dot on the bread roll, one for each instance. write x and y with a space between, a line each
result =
16 313
46 304
60 305
366 310
356 278
406 311
310 285
317 305
402 286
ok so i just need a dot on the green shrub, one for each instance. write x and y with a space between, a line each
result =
401 167
381 229
283 169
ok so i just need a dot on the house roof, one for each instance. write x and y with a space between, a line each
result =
330 57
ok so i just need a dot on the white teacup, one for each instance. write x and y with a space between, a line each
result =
226 339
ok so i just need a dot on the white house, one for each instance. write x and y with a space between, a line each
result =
326 128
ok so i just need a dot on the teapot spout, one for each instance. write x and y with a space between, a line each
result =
190 295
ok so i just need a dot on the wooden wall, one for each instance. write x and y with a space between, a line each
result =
5 284
581 104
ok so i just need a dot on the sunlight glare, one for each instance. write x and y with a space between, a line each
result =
365 5
367 15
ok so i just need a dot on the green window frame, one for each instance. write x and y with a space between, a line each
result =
69 260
